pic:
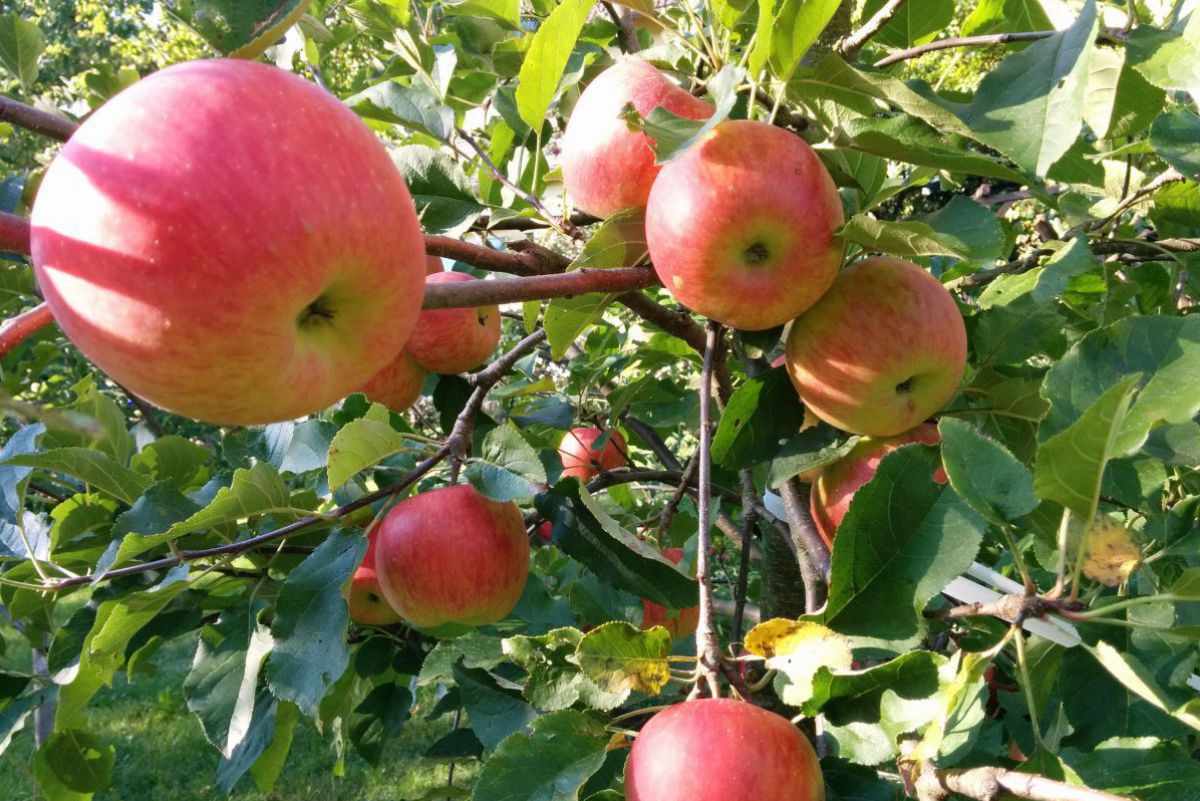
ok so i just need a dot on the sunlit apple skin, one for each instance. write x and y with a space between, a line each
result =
881 352
433 265
450 341
583 461
366 601
450 559
740 227
398 385
719 749
681 622
606 167
231 243
836 484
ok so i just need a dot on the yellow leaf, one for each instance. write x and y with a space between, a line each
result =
1112 554
798 649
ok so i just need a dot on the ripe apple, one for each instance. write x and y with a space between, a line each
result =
229 242
583 461
836 484
740 227
452 341
608 168
398 385
719 749
433 264
545 532
366 601
882 351
450 559
679 622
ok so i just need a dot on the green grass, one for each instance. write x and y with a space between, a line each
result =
162 753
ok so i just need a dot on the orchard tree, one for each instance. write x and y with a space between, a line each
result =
792 412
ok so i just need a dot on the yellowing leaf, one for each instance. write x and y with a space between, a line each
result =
798 649
1112 554
622 659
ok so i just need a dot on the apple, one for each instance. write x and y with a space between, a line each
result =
607 167
433 265
881 352
740 227
681 622
719 749
545 532
582 460
229 242
398 385
450 559
836 484
452 341
366 601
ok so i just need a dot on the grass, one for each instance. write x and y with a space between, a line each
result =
162 753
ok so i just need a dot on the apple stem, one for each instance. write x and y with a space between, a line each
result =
708 649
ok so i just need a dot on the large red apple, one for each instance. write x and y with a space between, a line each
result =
366 601
740 227
836 484
453 341
398 385
679 622
450 559
881 352
581 458
608 168
719 749
231 243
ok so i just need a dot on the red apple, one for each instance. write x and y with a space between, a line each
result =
740 227
881 352
398 385
608 168
229 242
545 532
450 559
433 265
452 341
679 622
366 601
719 749
584 461
836 483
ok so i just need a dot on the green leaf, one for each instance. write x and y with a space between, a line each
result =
259 732
158 510
413 107
256 491
95 468
969 227
623 659
363 443
1006 16
474 650
902 541
173 460
298 447
555 679
1163 351
762 413
495 712
906 239
903 137
796 27
550 764
913 674
269 765
812 448
507 468
21 45
507 11
309 629
75 762
379 718
673 135
567 318
1030 108
1070 464
1144 768
1176 138
1075 259
546 59
1169 59
14 715
1127 669
917 21
440 189
13 478
984 473
239 28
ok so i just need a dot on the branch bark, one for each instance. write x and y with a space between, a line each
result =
850 45
16 330
537 287
708 648
962 41
996 784
36 120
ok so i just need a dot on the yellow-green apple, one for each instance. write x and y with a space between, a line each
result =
452 341
581 458
679 622
398 385
719 749
882 350
606 167
229 242
450 559
433 264
741 226
836 484
366 601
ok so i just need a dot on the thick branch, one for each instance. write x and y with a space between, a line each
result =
16 330
708 648
962 41
527 261
36 120
14 234
675 322
810 549
627 37
995 784
850 45
538 287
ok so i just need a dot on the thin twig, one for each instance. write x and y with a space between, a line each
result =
963 41
749 521
708 649
627 38
851 44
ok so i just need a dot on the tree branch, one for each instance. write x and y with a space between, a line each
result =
708 648
995 784
36 120
749 521
627 37
962 41
851 44
810 548
16 330
537 287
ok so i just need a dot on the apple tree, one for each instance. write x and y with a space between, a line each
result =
805 404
